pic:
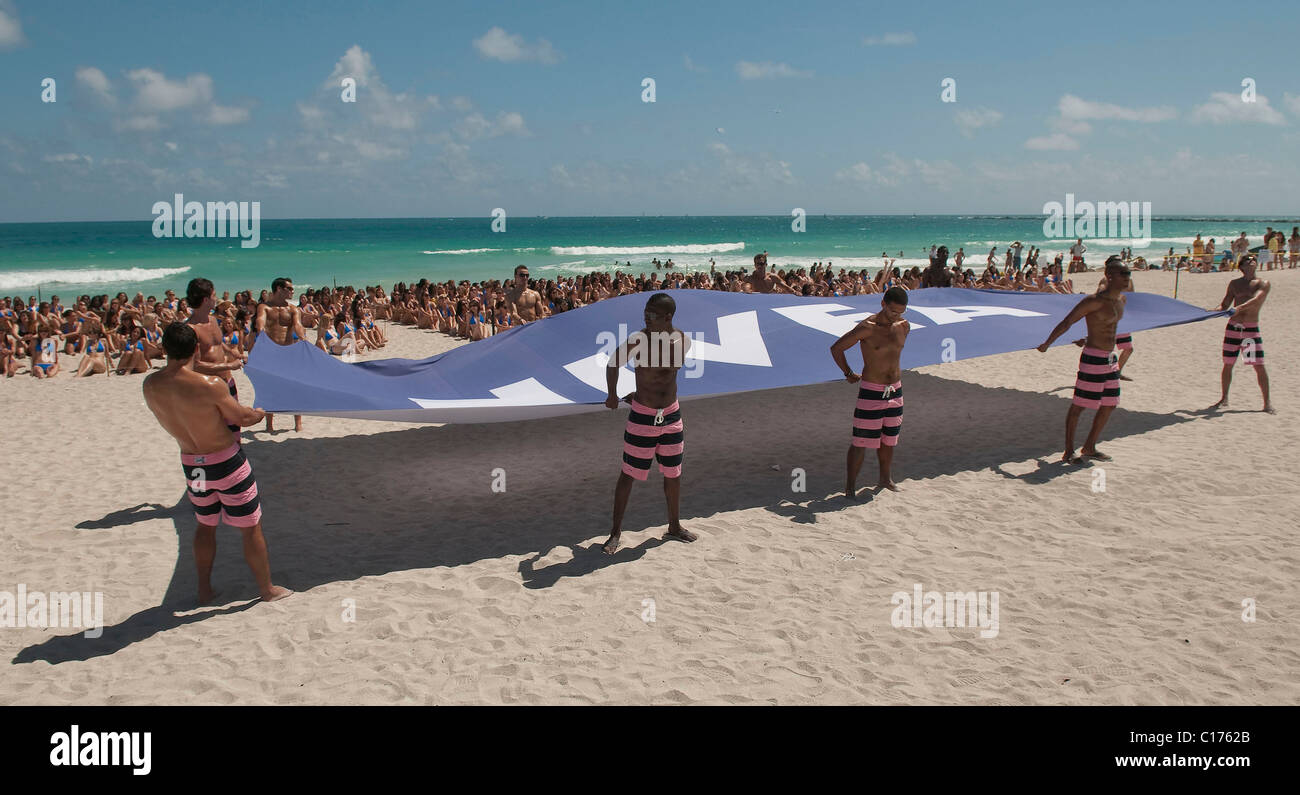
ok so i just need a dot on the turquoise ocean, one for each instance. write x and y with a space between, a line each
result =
70 259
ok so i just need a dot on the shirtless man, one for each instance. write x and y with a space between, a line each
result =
654 426
1097 385
760 281
282 322
212 358
523 300
878 416
1076 256
195 410
1247 294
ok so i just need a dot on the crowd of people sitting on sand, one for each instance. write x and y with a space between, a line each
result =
123 336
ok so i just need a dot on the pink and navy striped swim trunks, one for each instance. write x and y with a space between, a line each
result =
1124 342
1098 382
878 416
1245 340
222 488
653 434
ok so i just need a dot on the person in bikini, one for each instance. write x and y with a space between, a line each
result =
197 410
878 414
282 322
212 358
654 427
1242 336
1097 384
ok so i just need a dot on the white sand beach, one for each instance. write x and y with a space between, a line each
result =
1131 595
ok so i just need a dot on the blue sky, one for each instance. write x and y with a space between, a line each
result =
537 108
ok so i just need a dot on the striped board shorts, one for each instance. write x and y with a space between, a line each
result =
878 416
1124 342
1098 382
221 487
1245 340
653 434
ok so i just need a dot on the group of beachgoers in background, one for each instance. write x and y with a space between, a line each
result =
123 336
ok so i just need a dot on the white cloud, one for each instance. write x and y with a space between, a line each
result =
11 30
511 47
476 126
749 171
1291 102
691 66
1225 107
1073 108
221 115
968 121
138 124
748 70
380 106
155 93
890 39
858 172
97 83
1056 142
69 157
462 104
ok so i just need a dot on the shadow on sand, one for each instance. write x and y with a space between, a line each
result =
421 497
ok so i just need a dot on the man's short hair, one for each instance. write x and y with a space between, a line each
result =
1116 265
662 303
517 267
179 340
280 282
896 295
197 290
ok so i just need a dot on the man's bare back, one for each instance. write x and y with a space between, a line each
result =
195 409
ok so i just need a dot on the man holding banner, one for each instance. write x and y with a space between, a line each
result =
1242 335
878 415
1097 385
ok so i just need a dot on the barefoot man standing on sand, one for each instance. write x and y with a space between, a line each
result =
654 426
1242 336
212 358
195 409
878 416
282 322
1097 385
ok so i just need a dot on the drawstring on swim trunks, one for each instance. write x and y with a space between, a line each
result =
659 417
889 390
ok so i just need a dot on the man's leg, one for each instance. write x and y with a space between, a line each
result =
1090 445
270 418
256 558
1262 375
1071 421
854 465
622 490
297 423
205 551
673 495
1123 358
885 457
1226 381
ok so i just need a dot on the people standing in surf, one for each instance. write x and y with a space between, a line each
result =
654 429
1242 339
1097 384
878 414
282 322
